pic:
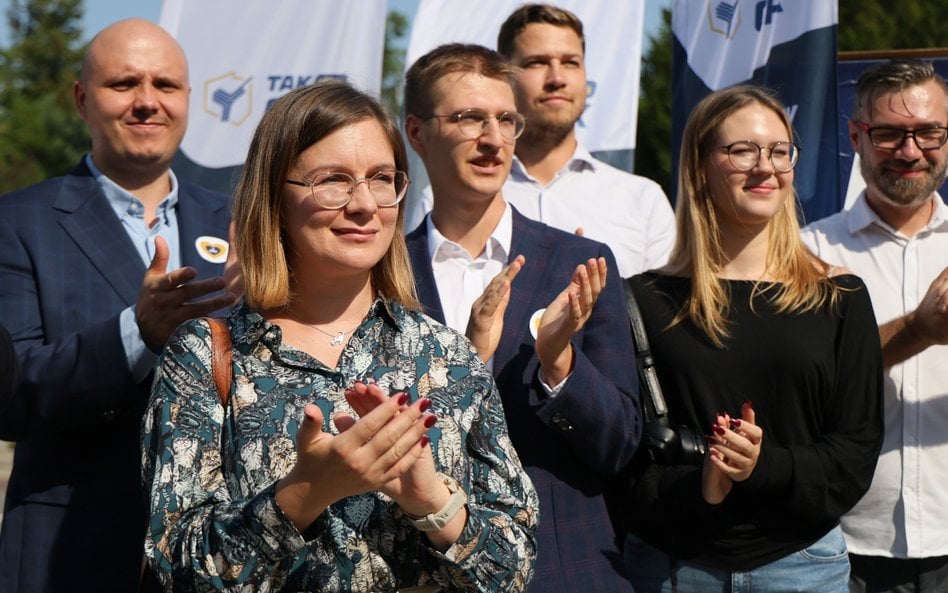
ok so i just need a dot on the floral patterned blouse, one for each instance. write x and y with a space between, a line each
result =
210 473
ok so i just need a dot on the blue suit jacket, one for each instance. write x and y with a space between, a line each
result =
75 513
573 444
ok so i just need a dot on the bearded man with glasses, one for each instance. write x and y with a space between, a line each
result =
895 237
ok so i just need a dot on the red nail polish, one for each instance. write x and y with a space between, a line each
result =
424 404
402 398
430 421
718 429
749 403
424 442
736 422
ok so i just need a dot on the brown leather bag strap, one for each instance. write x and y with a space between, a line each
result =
221 358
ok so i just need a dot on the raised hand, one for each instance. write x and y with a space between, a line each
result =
166 299
931 317
565 316
486 324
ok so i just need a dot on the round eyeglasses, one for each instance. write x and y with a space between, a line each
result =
888 138
744 155
473 122
333 189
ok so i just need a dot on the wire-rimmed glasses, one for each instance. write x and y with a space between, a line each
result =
890 138
744 155
473 122
334 189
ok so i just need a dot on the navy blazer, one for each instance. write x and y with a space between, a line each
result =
573 444
75 514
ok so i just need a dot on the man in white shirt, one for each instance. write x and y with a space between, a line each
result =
541 312
554 179
895 237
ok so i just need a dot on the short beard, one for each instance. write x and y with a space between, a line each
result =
546 136
904 193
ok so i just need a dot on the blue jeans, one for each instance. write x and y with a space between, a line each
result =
822 567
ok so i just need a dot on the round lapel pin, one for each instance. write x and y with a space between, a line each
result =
212 249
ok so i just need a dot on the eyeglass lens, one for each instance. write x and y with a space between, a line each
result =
745 155
334 190
473 122
894 138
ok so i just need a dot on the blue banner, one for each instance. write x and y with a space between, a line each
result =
789 46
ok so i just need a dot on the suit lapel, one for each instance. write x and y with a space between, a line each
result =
417 243
196 219
530 241
95 228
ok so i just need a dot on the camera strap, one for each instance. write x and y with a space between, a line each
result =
653 400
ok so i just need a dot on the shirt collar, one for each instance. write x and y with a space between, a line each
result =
861 215
582 159
124 203
249 327
497 247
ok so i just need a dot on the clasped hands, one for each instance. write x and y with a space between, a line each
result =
384 449
562 318
733 451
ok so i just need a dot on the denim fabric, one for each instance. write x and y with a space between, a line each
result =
822 567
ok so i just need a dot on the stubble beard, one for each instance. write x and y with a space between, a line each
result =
904 193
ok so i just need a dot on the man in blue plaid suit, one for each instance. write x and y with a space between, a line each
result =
538 308
96 269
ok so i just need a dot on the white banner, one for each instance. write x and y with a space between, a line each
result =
243 56
613 32
727 41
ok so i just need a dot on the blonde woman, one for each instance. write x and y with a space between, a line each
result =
760 346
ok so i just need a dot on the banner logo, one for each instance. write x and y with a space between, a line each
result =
229 98
764 13
726 18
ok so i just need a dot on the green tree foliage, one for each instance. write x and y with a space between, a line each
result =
653 131
40 133
881 24
393 61
863 25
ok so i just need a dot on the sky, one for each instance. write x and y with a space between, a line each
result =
100 13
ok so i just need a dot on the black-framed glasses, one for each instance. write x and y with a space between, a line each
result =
473 122
744 155
334 189
889 138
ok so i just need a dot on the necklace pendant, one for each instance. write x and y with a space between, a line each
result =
337 339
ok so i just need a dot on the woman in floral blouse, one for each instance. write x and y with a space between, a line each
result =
362 446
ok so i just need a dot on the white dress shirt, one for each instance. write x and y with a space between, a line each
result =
461 277
629 213
905 512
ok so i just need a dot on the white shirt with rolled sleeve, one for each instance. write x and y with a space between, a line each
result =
905 512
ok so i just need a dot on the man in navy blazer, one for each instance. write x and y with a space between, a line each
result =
537 305
96 269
